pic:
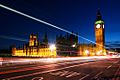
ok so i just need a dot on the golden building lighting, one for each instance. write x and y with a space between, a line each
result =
98 49
35 49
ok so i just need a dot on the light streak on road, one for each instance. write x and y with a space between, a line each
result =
52 60
44 22
44 66
50 71
43 72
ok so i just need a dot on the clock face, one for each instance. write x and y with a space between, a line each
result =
103 25
98 26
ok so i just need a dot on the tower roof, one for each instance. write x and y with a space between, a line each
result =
99 18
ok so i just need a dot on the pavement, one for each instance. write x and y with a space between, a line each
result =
76 68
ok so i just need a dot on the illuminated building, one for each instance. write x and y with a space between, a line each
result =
33 40
67 45
87 50
99 35
35 49
98 49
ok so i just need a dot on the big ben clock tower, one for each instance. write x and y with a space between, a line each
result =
99 35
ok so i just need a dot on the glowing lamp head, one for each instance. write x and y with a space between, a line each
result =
73 45
52 47
86 51
99 52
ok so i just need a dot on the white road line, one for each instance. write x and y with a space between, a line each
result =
37 78
84 77
109 66
96 76
36 73
73 74
56 73
65 73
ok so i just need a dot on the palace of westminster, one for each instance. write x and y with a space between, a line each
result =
65 45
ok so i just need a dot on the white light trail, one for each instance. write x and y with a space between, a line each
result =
44 22
13 38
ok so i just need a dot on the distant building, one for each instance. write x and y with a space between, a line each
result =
35 49
87 50
98 49
45 40
67 45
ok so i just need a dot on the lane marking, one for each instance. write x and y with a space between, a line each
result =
96 76
57 73
84 77
109 66
43 72
66 74
73 74
38 78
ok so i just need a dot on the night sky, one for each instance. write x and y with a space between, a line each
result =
73 15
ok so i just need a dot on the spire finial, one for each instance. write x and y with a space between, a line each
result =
99 17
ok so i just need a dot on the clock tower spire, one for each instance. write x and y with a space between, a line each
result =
99 17
99 34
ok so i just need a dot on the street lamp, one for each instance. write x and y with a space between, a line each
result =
73 45
87 52
52 47
99 52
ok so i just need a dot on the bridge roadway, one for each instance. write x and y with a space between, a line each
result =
95 68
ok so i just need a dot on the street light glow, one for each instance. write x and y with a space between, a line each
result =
73 45
52 47
86 51
98 53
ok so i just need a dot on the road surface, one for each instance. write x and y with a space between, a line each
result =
93 68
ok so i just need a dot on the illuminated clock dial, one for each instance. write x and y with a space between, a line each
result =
103 26
98 26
